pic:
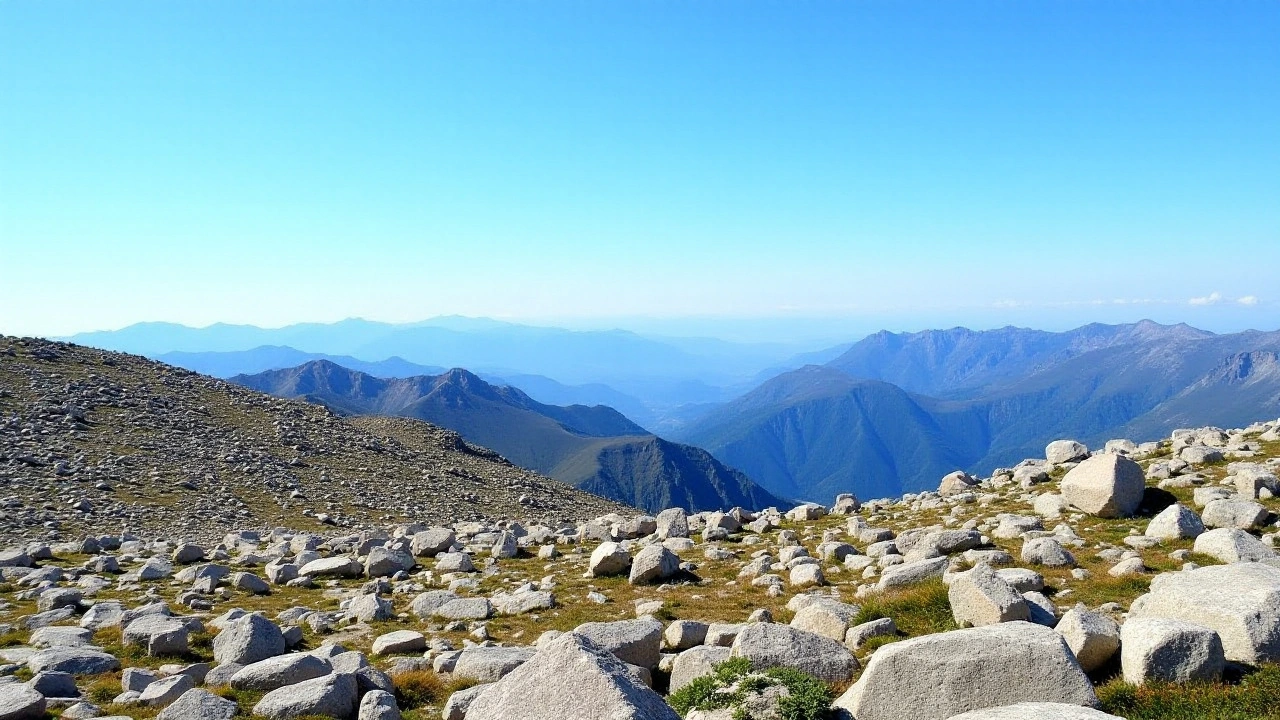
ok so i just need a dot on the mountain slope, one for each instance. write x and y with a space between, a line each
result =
1009 391
565 442
151 448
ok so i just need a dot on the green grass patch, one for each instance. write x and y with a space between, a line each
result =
1255 697
732 681
922 609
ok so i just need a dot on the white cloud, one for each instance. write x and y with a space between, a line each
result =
1210 299
1248 300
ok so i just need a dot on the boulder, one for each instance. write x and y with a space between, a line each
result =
608 559
431 542
673 523
1048 551
955 483
1093 637
1175 522
426 604
1036 711
339 566
1169 651
19 702
826 617
370 608
248 639
279 671
937 676
1107 486
385 562
335 695
566 675
399 641
684 634
73 660
378 705
197 704
158 635
469 608
455 708
769 645
652 564
166 690
1065 451
1232 545
695 663
1241 602
637 642
912 572
981 597
1233 513
489 664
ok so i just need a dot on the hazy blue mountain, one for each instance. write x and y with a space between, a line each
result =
592 447
819 430
275 357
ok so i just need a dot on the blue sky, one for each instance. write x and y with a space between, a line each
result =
667 165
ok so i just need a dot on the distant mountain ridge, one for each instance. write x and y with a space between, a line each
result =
589 447
897 411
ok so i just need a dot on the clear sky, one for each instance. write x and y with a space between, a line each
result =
901 164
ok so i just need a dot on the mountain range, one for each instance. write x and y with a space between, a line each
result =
897 411
593 448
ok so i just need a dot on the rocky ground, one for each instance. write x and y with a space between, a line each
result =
102 442
1136 581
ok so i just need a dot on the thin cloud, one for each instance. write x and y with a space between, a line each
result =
1211 299
1248 300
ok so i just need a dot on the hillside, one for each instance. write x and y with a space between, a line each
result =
593 448
896 412
92 439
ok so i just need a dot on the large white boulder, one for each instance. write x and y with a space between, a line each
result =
1241 602
566 675
1106 485
1036 711
769 645
1175 522
1169 651
1065 451
1232 545
1093 637
981 597
937 676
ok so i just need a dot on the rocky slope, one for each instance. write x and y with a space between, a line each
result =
594 448
1133 581
94 441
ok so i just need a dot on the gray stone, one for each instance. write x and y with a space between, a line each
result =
470 608
695 663
1093 637
653 563
19 702
567 675
339 566
673 523
334 695
637 642
825 617
199 704
426 604
60 636
1065 451
454 562
1048 551
399 641
1107 486
1175 522
937 676
912 573
369 608
608 559
1241 602
53 684
249 583
1231 545
276 672
455 708
1036 711
431 542
135 679
385 562
684 634
769 645
378 705
77 661
165 690
1232 513
247 640
489 664
158 635
1169 651
858 635
981 597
